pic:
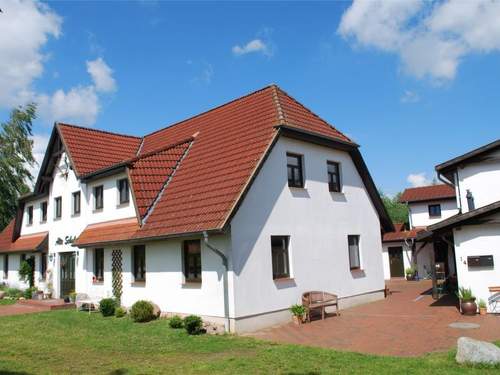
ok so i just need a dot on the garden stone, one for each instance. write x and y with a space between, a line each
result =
2 294
475 351
156 310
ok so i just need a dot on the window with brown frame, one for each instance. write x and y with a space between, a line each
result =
98 265
30 215
192 261
280 257
98 197
43 209
57 207
139 263
333 170
434 210
43 265
76 202
354 259
123 191
295 170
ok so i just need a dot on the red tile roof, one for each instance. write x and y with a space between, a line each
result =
92 149
31 242
401 234
117 230
427 193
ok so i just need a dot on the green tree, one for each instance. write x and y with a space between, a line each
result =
397 211
16 158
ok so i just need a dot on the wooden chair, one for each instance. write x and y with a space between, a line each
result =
315 300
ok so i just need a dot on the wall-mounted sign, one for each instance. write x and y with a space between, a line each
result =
68 240
480 261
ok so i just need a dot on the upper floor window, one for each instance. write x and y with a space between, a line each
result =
280 258
76 196
192 261
43 265
295 171
30 215
99 265
354 258
333 170
123 191
470 200
58 207
434 210
43 212
98 197
139 263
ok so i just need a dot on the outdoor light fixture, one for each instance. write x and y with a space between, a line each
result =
51 257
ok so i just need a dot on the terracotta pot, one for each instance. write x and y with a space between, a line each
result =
482 311
469 307
298 319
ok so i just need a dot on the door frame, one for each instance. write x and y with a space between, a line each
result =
398 249
64 291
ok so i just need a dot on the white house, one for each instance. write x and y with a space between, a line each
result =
475 231
427 205
231 214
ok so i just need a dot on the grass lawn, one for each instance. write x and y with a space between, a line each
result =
4 302
72 342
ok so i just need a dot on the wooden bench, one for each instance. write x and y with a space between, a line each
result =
315 300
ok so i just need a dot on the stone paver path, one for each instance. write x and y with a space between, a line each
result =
407 323
17 309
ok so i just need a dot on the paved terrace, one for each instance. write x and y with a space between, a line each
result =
408 323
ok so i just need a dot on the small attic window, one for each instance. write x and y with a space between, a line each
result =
30 215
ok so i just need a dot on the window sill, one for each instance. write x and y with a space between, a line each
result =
124 204
138 284
191 284
297 187
283 279
96 210
43 222
357 269
97 283
57 218
75 215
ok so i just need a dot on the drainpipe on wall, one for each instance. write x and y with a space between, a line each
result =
225 283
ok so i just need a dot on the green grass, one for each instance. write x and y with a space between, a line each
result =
4 302
64 342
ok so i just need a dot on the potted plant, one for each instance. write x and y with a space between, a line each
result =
482 307
72 297
298 313
468 304
410 273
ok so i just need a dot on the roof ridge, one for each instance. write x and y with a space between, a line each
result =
98 130
277 102
211 109
279 90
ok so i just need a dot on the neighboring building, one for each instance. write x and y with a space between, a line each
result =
474 234
427 205
231 214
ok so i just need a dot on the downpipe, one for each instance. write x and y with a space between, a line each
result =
227 323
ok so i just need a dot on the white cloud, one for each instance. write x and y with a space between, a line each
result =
410 97
253 46
204 72
418 179
430 39
102 75
40 142
25 27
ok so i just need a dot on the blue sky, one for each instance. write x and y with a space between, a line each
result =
160 62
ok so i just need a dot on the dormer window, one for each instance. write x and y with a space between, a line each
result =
98 197
434 210
123 191
30 215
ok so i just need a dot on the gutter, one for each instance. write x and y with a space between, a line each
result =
227 323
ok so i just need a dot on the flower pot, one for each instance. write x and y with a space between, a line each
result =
469 307
298 319
482 311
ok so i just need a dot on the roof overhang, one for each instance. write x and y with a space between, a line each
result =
31 242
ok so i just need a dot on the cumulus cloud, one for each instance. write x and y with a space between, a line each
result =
40 142
22 62
418 179
410 97
253 46
25 27
431 39
102 75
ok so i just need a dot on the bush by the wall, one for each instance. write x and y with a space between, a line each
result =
176 322
28 293
120 312
107 306
193 324
13 293
142 311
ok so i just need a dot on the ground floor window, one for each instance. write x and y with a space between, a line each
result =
280 258
99 265
6 266
192 261
354 259
43 265
139 263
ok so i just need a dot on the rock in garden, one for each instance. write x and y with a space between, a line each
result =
475 351
156 310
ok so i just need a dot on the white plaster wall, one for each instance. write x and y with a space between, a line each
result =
13 274
478 240
419 212
483 180
164 278
317 222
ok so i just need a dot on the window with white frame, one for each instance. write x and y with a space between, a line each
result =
30 215
76 204
123 191
354 257
57 207
333 171
43 212
280 257
98 197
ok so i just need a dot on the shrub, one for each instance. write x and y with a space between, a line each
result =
26 272
107 306
176 322
298 310
28 293
482 303
13 293
142 311
193 324
120 312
